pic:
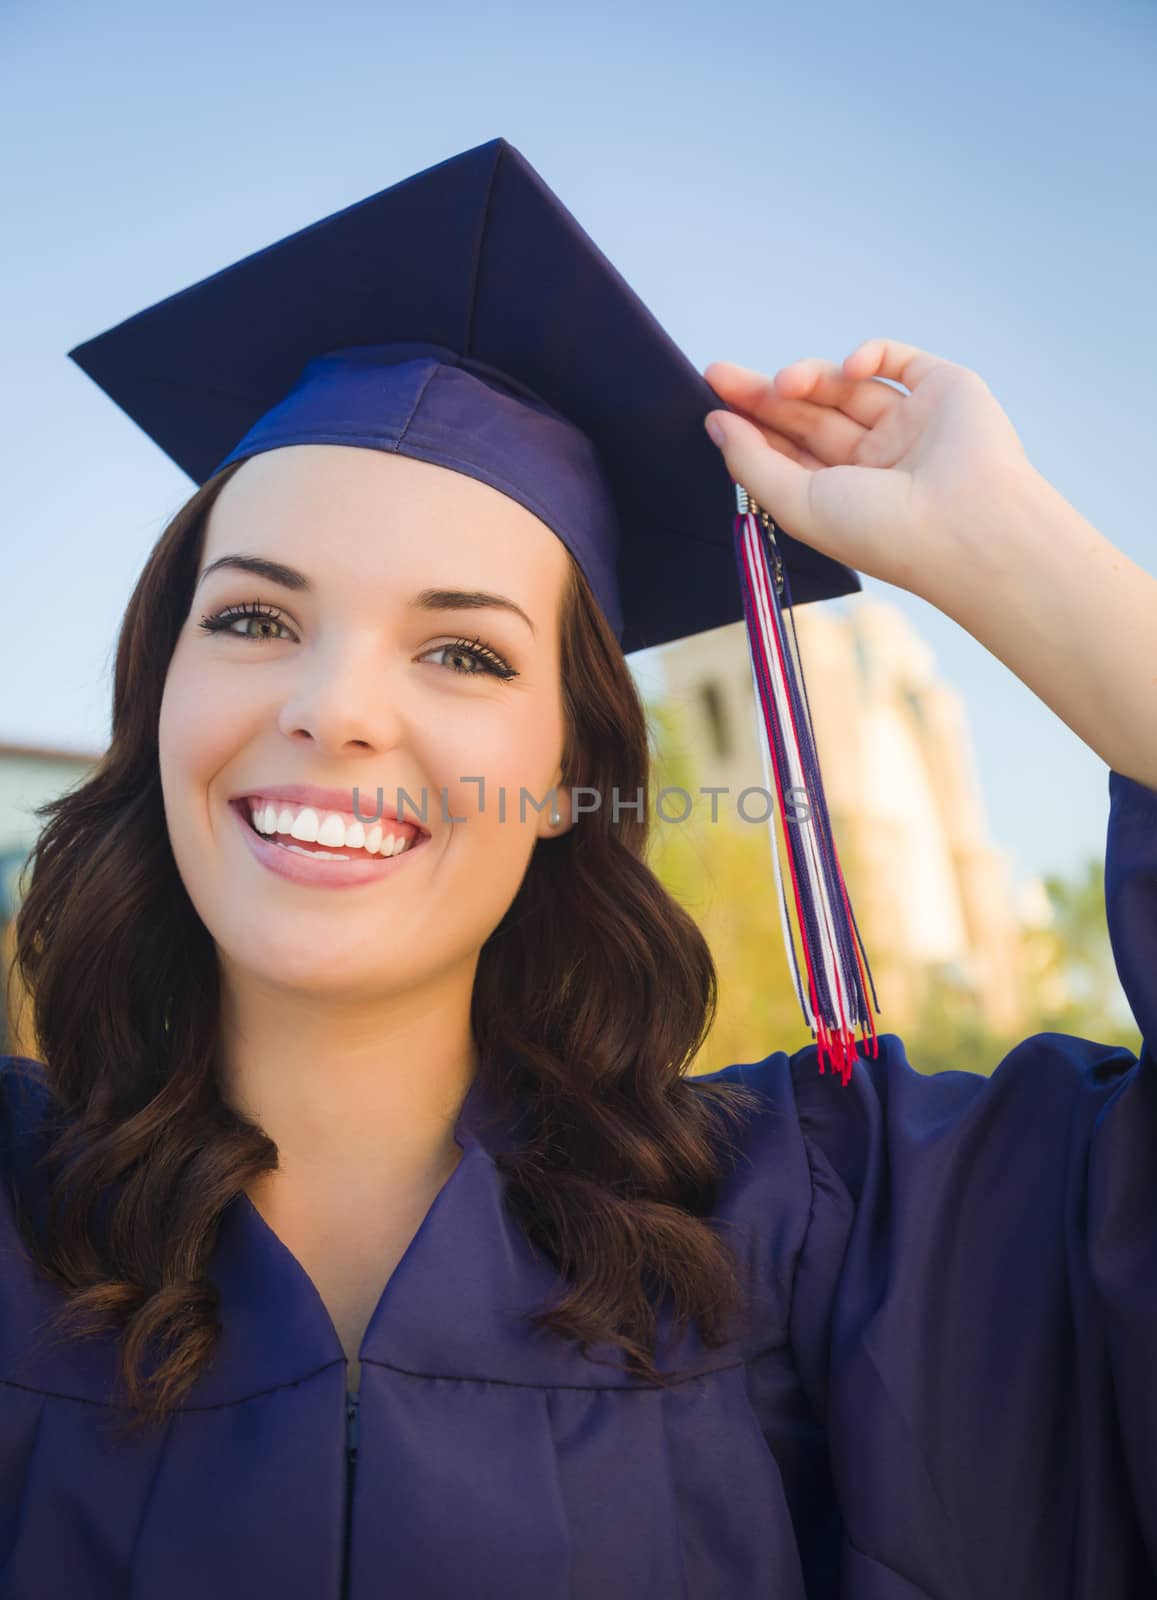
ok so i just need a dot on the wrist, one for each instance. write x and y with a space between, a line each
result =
1005 547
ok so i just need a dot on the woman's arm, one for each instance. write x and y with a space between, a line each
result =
1075 619
932 491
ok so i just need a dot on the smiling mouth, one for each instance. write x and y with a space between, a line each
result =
344 852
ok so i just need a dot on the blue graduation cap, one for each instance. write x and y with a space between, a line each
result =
463 317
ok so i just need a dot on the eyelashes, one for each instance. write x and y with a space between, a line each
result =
222 621
487 661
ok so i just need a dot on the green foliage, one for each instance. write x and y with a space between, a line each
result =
950 1033
712 869
1076 949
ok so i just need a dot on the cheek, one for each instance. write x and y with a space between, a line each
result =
197 731
511 754
194 730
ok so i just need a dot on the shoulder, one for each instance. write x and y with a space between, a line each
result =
24 1092
25 1104
766 1128
886 1094
845 1189
764 1196
815 1147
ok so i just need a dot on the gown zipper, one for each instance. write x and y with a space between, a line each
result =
351 1461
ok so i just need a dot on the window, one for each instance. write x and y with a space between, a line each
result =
715 710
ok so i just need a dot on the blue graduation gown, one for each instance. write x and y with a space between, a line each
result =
948 1391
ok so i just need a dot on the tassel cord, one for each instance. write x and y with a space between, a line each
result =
787 740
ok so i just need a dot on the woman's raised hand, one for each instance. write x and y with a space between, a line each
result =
901 486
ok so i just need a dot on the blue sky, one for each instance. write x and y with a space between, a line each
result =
775 181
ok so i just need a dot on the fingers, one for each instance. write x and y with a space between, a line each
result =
739 386
809 431
791 448
889 358
779 481
811 382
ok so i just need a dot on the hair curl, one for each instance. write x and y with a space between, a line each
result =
601 1012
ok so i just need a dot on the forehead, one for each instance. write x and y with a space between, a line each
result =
341 505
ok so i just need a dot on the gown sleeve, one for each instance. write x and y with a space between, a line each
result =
974 1306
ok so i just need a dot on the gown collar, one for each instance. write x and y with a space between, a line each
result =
457 1305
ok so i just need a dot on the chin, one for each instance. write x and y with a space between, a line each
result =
356 973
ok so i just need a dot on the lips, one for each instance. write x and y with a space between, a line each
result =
323 799
319 869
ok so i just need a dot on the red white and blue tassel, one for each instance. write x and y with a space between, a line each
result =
838 978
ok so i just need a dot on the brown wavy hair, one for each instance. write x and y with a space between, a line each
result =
601 1012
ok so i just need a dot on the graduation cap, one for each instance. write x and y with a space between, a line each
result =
462 316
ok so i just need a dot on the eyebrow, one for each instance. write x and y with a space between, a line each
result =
427 600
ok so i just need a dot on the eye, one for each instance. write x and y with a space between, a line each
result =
222 621
483 659
469 658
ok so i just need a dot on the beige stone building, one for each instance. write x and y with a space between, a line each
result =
932 894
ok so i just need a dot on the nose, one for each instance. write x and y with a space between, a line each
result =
343 698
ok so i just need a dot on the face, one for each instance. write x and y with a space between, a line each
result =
371 672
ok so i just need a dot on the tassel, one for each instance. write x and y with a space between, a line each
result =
838 977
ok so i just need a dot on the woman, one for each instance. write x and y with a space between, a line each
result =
408 1120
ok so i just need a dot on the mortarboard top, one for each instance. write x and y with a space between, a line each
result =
478 268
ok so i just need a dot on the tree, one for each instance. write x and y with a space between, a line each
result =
1076 947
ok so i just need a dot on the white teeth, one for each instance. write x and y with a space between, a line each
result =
327 828
332 830
305 825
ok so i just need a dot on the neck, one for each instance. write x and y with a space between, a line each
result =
358 1094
